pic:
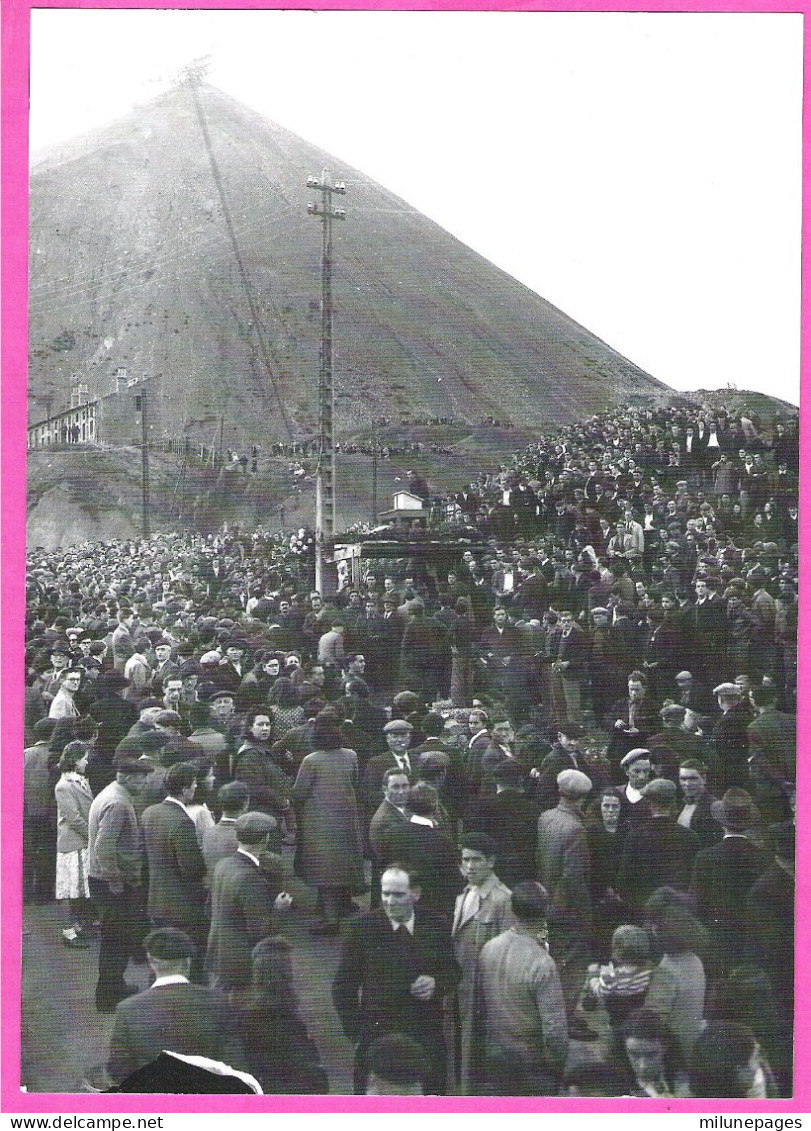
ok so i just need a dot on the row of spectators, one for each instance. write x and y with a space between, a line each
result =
604 697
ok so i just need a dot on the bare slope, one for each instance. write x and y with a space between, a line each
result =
132 265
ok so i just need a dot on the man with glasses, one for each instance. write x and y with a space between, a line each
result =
63 704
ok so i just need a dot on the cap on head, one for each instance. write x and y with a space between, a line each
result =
252 828
635 755
735 811
398 726
661 790
728 690
673 713
573 783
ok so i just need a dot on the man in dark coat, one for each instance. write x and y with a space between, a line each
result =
630 721
424 654
397 734
420 843
772 741
696 813
232 668
173 1014
723 876
391 813
396 966
244 894
511 820
176 865
658 851
501 648
730 737
564 755
115 716
674 742
706 624
770 911
366 721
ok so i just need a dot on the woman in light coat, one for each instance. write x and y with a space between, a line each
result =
73 800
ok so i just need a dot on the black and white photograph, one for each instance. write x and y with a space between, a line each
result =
412 556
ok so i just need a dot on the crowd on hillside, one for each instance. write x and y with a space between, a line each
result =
562 771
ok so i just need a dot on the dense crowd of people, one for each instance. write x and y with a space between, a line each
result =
562 770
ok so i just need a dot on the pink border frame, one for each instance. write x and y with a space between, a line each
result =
15 26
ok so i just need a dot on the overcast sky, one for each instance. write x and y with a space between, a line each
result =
640 171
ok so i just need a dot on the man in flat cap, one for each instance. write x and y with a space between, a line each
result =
244 894
692 695
114 870
397 734
730 737
174 1014
521 1023
564 871
658 852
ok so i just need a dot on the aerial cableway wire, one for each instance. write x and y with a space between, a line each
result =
243 271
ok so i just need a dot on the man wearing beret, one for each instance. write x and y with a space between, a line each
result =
636 765
174 1014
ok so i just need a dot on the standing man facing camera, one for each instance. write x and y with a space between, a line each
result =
396 967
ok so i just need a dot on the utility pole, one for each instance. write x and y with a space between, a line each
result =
374 473
140 403
325 470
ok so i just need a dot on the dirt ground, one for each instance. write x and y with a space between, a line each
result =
64 1039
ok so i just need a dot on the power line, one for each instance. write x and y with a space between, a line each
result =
193 82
